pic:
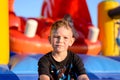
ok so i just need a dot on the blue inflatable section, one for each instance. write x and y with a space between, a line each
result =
97 68
6 74
103 68
26 68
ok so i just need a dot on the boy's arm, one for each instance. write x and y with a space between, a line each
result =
44 77
83 77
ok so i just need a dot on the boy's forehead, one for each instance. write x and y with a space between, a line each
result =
67 29
63 30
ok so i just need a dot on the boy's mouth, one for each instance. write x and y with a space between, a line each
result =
59 46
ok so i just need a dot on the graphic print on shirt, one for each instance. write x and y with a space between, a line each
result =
63 73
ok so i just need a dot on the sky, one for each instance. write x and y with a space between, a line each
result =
32 8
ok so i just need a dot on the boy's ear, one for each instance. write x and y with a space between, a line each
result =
72 41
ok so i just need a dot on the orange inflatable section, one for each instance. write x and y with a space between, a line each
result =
38 44
21 44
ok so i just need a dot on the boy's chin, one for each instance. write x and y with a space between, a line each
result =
60 51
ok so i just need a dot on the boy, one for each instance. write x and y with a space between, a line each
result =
60 63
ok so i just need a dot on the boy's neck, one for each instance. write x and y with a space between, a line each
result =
59 56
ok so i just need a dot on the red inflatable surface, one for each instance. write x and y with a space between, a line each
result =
76 8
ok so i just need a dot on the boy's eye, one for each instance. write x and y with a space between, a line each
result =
65 37
56 36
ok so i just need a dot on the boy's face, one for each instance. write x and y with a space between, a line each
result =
61 39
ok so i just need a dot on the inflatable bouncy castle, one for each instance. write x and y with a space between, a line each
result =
25 39
38 43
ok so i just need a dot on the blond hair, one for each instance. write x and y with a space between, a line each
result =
64 23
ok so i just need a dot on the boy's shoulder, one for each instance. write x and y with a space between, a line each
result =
46 56
73 55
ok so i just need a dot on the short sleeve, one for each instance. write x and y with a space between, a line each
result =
43 66
78 65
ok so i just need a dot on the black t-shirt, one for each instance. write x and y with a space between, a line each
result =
71 67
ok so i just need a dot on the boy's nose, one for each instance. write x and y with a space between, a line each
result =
60 39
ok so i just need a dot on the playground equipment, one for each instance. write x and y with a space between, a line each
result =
108 28
24 67
39 44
